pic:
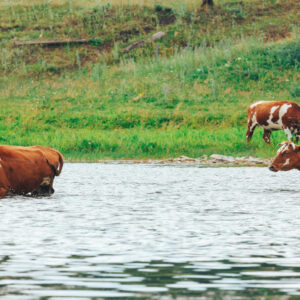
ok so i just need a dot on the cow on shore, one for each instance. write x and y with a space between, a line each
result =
274 115
287 158
28 170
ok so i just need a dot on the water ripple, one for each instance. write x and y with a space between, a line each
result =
116 231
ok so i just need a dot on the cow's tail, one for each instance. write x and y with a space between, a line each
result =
59 168
61 163
52 167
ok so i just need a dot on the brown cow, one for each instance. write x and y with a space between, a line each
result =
287 158
274 115
28 170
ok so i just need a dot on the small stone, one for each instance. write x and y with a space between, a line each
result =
255 160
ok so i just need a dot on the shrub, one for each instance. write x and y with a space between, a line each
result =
294 89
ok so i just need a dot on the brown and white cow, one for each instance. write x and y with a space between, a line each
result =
27 170
274 115
287 158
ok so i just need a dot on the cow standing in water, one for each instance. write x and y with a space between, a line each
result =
28 170
274 115
287 158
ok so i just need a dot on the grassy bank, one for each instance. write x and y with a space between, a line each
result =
85 144
163 100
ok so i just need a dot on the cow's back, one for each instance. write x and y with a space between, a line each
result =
272 114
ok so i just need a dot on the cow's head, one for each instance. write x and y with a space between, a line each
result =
287 157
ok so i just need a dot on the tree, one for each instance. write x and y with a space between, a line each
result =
208 3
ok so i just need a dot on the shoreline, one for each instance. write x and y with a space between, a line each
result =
213 160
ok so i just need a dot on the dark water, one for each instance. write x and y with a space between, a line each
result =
142 231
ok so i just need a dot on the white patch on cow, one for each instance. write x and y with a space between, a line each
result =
283 148
254 121
286 162
283 110
272 125
46 181
257 103
278 125
288 134
294 146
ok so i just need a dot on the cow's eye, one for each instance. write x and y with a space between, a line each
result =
285 153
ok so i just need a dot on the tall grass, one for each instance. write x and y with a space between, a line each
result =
193 103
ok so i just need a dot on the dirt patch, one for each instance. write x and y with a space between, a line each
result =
273 33
165 15
8 28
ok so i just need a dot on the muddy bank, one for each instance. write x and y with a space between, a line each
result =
212 160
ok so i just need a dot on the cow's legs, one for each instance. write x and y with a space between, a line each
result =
288 133
266 136
250 130
43 190
3 192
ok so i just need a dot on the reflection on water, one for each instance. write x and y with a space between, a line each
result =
141 231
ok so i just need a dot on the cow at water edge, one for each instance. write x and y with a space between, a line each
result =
287 158
274 115
27 170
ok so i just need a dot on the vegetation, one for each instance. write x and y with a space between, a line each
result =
184 95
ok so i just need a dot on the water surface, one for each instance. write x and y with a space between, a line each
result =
143 231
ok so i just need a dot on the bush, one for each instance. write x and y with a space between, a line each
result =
294 89
287 54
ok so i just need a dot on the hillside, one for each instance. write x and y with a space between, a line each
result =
186 94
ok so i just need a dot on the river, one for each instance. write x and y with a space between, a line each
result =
148 231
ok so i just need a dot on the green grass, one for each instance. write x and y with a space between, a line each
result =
179 101
86 144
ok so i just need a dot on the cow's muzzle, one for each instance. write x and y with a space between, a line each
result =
271 168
